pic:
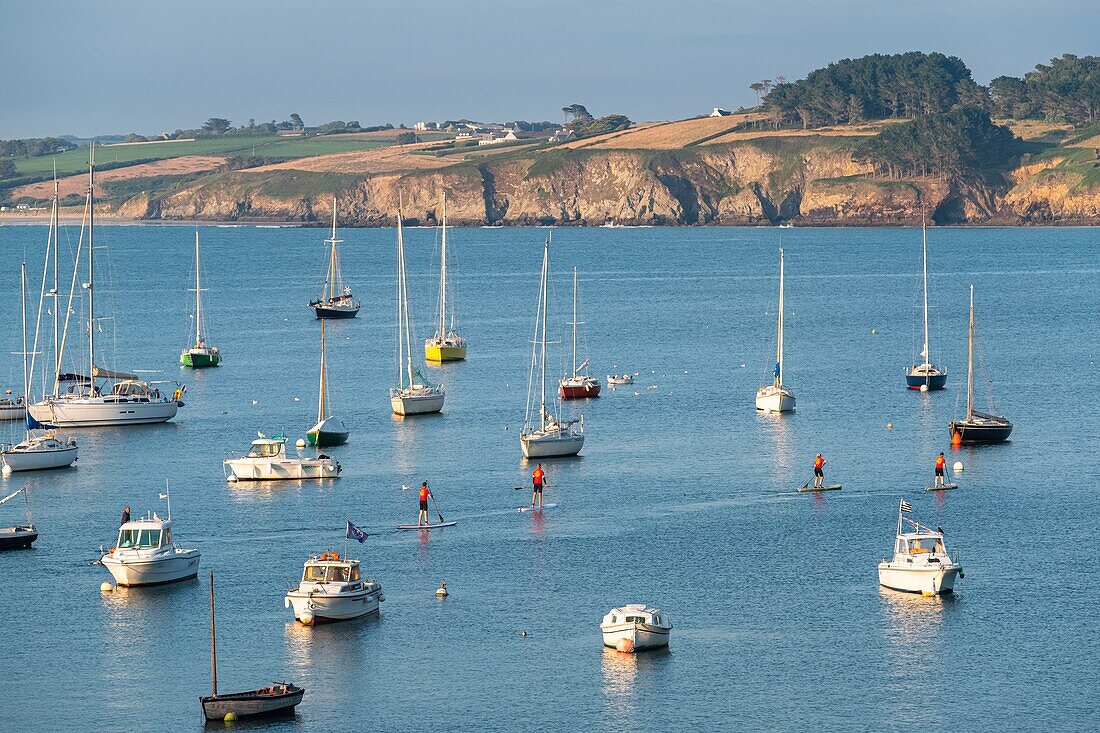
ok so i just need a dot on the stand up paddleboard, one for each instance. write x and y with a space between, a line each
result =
807 489
427 526
945 487
551 505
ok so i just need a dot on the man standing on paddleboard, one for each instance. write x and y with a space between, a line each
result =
941 464
819 475
538 480
425 494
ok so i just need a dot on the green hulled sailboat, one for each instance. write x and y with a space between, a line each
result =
200 355
328 430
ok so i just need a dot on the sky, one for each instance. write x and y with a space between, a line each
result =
97 67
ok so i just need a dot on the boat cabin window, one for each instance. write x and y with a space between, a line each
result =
917 547
127 538
355 573
657 620
264 450
337 574
314 574
636 619
148 538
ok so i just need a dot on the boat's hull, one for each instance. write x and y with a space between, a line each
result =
641 636
200 361
319 607
774 399
247 469
972 434
182 566
579 391
12 413
251 704
17 538
551 446
918 580
329 312
325 438
438 353
37 460
918 380
92 413
416 405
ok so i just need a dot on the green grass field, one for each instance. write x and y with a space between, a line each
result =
76 161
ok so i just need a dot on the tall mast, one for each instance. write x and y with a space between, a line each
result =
56 336
198 293
404 346
574 321
779 340
91 266
542 357
970 361
924 261
26 378
333 268
321 400
443 275
213 643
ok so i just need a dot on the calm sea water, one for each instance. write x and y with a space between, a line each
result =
682 499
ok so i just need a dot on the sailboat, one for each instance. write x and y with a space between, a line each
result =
336 300
412 394
200 355
776 397
329 430
36 450
925 376
129 401
19 536
280 698
549 437
978 427
446 344
579 384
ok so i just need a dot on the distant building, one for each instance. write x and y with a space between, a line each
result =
425 126
22 207
496 138
562 136
719 112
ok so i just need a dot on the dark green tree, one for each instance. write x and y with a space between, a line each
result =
7 169
216 125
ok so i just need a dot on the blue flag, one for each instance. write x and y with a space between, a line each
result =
354 533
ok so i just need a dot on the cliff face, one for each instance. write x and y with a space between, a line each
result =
805 180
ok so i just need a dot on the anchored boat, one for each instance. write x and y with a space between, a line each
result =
446 344
926 375
267 461
12 407
977 427
921 563
332 589
635 627
200 355
776 397
18 536
336 300
580 384
329 430
145 554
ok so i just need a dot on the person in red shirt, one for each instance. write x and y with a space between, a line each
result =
941 464
819 475
538 480
425 493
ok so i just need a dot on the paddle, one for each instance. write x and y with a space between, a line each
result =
434 504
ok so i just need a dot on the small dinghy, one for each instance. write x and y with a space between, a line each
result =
19 536
280 698
615 379
635 627
921 563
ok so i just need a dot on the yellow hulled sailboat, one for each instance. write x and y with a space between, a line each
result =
446 344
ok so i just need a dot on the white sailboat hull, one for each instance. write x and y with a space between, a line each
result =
34 460
774 399
334 607
167 568
12 412
260 469
550 445
920 579
416 404
89 412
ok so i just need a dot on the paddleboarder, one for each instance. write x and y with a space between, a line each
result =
819 474
941 464
538 480
425 494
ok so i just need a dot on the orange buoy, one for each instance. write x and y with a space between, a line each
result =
624 645
956 439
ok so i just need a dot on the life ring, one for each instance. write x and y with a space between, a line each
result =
330 556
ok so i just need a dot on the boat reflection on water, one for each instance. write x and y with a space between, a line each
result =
914 633
269 491
778 432
624 683
327 651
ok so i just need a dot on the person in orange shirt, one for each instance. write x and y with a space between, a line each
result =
538 480
941 464
819 475
425 493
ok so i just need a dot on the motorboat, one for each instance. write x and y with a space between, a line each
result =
12 408
200 355
635 627
18 536
977 427
278 698
777 397
146 555
412 393
921 562
925 376
329 430
336 300
580 384
549 436
332 589
267 461
618 379
446 344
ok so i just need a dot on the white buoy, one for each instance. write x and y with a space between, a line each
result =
6 470
441 591
306 617
300 443
924 388
958 467
105 587
874 331
889 426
